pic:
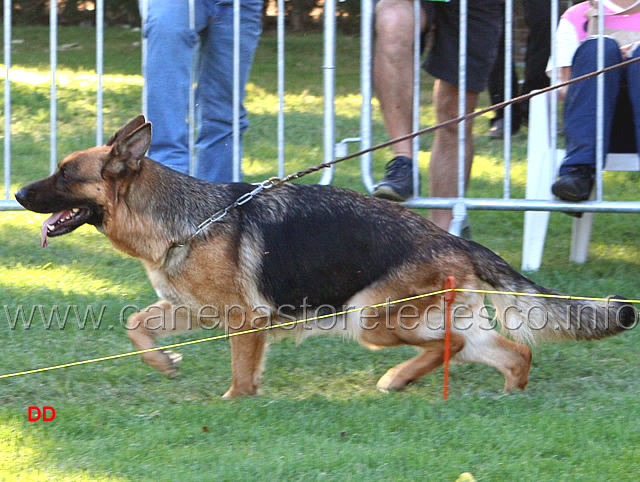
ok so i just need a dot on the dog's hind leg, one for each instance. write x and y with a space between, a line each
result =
159 319
409 371
418 323
512 359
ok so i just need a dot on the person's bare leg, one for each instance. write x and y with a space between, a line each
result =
443 170
393 68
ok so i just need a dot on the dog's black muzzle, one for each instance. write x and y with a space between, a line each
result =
41 197
25 197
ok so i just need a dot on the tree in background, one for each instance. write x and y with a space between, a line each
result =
75 12
125 12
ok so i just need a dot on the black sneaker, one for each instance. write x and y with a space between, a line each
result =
397 184
575 186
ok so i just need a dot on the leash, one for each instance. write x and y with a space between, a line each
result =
274 182
220 214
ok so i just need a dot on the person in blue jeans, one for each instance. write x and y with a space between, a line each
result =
621 115
171 47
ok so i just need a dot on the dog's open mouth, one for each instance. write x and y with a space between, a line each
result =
64 222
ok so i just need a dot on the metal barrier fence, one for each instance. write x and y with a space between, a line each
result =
461 204
331 149
7 203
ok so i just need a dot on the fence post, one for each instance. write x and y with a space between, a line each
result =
281 65
366 42
7 99
99 70
328 76
53 101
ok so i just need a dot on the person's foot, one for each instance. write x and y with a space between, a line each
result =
496 131
575 186
397 184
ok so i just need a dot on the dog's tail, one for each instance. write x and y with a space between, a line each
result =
531 313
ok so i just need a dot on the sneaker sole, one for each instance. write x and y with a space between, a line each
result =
386 192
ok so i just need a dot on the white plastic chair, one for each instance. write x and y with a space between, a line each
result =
542 167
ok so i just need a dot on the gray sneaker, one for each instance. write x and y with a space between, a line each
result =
397 184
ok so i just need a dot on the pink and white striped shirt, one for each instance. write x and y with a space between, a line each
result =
572 29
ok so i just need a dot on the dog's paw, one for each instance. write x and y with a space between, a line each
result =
173 362
390 382
235 393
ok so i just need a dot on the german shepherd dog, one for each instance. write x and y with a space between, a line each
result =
303 248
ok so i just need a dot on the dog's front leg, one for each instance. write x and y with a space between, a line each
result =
247 363
159 319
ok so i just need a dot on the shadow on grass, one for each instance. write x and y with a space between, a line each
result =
83 267
21 244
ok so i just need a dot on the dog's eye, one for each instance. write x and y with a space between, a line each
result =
64 175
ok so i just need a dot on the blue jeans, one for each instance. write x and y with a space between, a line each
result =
169 65
621 94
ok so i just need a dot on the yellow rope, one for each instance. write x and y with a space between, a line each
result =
542 295
295 322
212 338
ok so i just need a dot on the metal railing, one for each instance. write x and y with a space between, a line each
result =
8 204
459 204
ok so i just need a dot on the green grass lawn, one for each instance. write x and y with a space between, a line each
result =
320 416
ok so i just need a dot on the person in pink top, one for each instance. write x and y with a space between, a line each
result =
576 56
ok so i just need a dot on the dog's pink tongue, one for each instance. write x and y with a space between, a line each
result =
52 220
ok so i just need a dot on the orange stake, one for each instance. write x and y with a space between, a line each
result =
449 297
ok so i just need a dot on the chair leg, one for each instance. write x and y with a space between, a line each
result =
535 231
580 238
540 172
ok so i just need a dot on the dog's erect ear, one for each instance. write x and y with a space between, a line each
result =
127 153
136 144
131 126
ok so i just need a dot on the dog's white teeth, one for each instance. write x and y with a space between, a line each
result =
50 227
75 210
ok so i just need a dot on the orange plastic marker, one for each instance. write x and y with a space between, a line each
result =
449 297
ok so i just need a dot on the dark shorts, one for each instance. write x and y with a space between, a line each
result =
485 22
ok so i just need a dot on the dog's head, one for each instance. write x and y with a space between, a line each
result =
86 183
